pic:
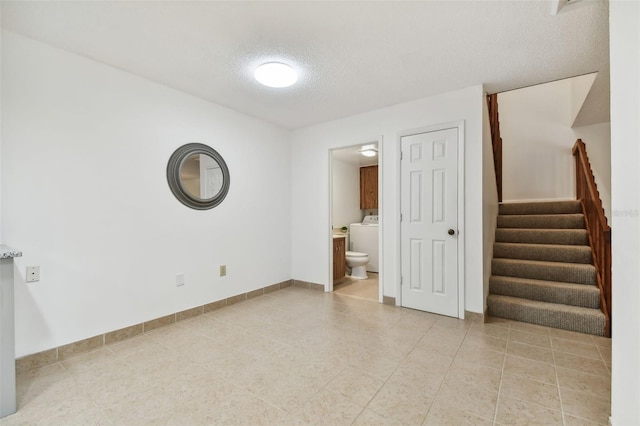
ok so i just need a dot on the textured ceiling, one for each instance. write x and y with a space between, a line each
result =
352 56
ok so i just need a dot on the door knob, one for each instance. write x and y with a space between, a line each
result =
451 232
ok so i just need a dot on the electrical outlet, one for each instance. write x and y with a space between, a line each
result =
223 270
179 280
33 274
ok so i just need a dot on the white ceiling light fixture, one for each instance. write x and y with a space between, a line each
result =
368 150
276 74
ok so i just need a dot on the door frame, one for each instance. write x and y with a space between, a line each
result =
329 283
460 125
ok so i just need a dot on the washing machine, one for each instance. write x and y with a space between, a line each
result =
363 238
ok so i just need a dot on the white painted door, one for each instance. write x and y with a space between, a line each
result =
429 207
211 179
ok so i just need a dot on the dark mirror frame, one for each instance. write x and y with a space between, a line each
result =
175 182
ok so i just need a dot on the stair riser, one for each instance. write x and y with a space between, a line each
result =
541 268
526 236
585 274
586 298
542 222
573 254
548 318
561 207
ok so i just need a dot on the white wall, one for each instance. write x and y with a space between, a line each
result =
579 89
535 125
1 131
489 199
85 196
310 184
536 152
624 21
346 193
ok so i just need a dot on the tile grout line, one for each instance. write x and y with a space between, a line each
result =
504 361
555 369
324 387
93 402
538 381
405 357
448 372
603 360
393 372
362 347
244 328
321 388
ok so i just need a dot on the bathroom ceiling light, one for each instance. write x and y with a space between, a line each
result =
276 74
368 150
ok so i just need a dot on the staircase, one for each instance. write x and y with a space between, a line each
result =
542 270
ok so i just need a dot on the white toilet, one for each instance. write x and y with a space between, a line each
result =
358 264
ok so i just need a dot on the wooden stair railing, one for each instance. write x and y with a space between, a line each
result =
496 140
597 227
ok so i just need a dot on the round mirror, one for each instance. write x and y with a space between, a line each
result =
198 176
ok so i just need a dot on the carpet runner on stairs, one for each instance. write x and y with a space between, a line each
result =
541 268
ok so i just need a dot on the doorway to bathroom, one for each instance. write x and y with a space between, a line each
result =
355 226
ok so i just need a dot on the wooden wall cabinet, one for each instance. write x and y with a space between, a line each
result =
368 187
339 261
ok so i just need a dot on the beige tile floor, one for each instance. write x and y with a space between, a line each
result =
301 356
363 289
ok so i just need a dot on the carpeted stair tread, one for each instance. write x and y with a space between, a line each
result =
555 207
586 296
541 268
546 252
578 273
573 318
545 221
543 236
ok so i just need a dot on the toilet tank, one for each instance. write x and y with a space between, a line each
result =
364 239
